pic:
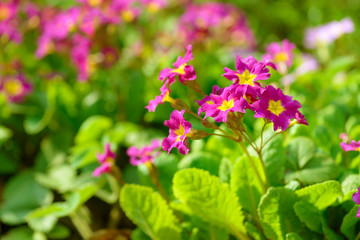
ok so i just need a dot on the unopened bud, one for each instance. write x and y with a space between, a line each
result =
208 124
197 134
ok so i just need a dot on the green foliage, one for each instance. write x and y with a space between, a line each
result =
246 185
149 211
277 216
349 223
209 199
301 150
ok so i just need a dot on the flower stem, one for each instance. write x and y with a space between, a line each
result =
81 225
251 160
154 176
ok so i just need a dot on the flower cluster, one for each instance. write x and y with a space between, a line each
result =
356 198
227 104
352 146
279 56
328 33
107 160
222 22
143 155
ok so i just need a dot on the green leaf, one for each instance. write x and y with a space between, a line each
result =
60 231
274 157
301 150
137 234
277 216
348 225
44 224
209 199
60 178
309 215
246 185
23 233
321 195
293 236
92 129
349 185
254 232
225 170
5 134
319 169
15 206
149 211
201 160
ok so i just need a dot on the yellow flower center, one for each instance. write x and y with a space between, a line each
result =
94 3
13 87
167 98
180 70
226 105
210 102
275 107
246 78
281 57
180 132
128 15
4 13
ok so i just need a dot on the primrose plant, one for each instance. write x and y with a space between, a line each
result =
256 199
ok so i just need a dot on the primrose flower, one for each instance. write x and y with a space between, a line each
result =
184 71
328 33
164 97
277 107
356 199
154 5
352 146
230 100
280 54
15 87
107 160
248 71
80 56
178 133
143 155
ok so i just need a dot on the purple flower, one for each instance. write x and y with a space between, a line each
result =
184 71
352 146
15 87
179 129
230 100
356 199
248 71
107 160
280 53
80 56
144 154
164 96
277 107
328 33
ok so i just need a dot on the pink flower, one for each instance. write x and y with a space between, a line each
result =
352 146
143 155
230 100
15 87
80 56
107 160
356 199
325 34
280 53
277 107
184 71
248 71
178 132
154 5
164 97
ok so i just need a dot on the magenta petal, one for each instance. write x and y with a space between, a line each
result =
356 196
105 167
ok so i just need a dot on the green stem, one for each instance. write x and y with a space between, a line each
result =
264 169
154 176
81 225
251 160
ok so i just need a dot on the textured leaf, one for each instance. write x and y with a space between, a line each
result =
254 232
348 225
321 195
274 157
277 216
246 185
309 215
201 160
209 199
149 211
301 150
225 170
